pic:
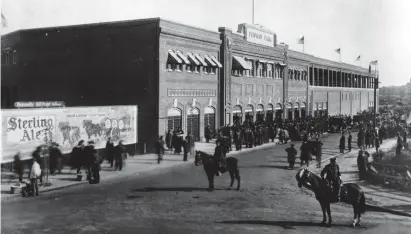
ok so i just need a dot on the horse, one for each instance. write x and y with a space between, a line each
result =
91 128
210 167
350 193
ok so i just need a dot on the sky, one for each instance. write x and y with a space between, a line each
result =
375 29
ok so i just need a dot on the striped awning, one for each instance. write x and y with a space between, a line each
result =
193 59
240 63
173 57
183 58
209 61
201 60
216 62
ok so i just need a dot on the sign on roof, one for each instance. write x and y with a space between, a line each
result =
257 35
39 104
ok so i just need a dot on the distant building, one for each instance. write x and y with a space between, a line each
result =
178 75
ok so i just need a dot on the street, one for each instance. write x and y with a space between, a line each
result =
176 201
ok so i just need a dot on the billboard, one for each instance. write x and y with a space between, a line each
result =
25 129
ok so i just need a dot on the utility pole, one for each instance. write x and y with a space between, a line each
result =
253 11
375 96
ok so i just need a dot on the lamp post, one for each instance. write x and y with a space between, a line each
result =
46 154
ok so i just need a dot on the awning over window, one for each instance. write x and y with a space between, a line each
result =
237 109
269 107
183 58
282 64
201 60
193 59
209 61
260 108
296 105
278 106
262 61
303 105
271 62
173 57
216 61
240 63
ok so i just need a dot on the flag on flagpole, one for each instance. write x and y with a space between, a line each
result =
358 58
369 68
338 50
301 40
374 62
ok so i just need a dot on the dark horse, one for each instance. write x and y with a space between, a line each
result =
350 193
211 167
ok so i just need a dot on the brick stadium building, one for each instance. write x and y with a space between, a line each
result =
178 75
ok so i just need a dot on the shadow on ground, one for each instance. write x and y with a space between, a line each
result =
173 189
283 224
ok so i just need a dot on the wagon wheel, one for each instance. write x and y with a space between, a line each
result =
115 133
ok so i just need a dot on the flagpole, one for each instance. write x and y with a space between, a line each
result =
253 11
303 45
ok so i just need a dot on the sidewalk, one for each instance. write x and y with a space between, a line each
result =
389 199
134 165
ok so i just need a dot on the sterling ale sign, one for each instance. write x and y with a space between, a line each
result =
28 129
25 129
259 37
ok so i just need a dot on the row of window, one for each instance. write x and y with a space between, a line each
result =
8 58
192 63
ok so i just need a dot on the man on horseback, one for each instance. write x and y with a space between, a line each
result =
333 177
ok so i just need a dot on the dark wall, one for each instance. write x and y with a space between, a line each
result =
97 65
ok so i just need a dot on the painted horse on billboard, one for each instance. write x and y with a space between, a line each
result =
91 128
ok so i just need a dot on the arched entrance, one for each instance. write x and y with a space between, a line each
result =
193 123
278 111
209 117
249 112
269 116
303 112
237 115
297 110
174 119
289 108
260 113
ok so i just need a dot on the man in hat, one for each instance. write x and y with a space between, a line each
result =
333 176
318 152
291 154
349 141
342 143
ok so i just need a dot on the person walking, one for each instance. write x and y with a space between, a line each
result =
361 164
110 152
34 175
169 136
318 152
186 148
342 143
159 149
291 155
349 141
120 156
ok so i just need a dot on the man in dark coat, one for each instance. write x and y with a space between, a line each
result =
349 141
342 143
219 159
55 156
237 139
207 133
169 136
333 177
361 164
318 152
304 154
120 155
159 149
186 148
291 154
92 163
110 151
77 156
